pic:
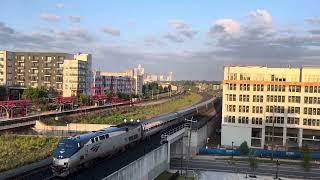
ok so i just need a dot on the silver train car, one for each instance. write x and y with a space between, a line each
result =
74 152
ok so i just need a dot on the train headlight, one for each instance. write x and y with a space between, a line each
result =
66 164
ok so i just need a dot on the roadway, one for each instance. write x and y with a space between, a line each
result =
267 169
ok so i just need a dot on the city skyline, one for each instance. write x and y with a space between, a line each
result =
169 36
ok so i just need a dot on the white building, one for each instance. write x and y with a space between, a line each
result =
6 68
77 75
258 101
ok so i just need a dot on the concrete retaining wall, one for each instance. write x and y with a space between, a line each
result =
147 167
70 129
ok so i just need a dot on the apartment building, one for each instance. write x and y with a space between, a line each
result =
19 70
77 75
268 106
115 84
135 74
32 69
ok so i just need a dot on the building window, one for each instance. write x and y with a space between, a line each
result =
257 109
293 120
294 99
294 88
293 110
244 98
257 121
243 120
230 119
244 87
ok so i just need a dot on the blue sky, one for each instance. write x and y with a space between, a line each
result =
179 36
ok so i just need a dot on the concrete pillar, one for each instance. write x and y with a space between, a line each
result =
168 159
8 114
263 136
300 135
284 137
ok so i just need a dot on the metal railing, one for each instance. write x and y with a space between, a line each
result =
174 130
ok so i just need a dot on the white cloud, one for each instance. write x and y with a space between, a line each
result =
74 19
189 33
228 26
173 37
112 31
151 41
50 17
313 20
261 17
177 24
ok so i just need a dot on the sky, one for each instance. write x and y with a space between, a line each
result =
192 39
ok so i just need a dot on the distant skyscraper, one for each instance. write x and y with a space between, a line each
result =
170 76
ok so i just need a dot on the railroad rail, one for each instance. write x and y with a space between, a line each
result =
30 120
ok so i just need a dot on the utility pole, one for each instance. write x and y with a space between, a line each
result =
189 139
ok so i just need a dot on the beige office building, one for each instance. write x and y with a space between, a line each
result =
261 103
77 75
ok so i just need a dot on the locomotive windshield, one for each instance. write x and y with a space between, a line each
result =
66 148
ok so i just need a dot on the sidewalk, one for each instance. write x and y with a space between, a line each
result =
245 158
209 175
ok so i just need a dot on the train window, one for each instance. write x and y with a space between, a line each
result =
92 140
101 137
107 136
96 139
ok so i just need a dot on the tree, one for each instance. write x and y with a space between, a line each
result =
253 163
3 93
306 158
84 99
244 149
36 95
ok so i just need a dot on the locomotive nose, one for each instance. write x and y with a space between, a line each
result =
61 162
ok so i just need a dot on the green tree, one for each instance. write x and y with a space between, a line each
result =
84 99
253 163
3 93
36 95
306 158
244 149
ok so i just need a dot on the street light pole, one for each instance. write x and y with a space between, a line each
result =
277 172
189 139
232 152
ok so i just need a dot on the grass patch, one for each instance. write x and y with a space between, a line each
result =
144 112
17 151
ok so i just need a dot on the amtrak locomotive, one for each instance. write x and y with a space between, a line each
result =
75 152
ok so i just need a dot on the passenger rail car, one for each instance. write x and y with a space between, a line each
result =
74 152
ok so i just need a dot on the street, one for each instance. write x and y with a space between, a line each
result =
266 169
